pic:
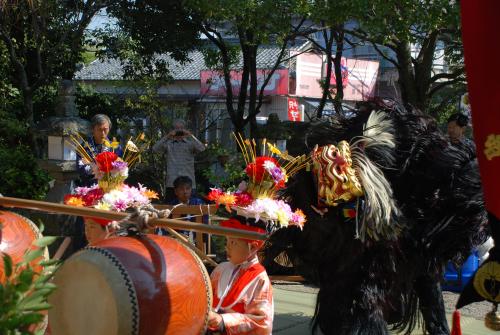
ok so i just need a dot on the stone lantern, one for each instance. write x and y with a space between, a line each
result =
60 158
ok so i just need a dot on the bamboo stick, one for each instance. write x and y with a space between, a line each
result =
110 215
186 242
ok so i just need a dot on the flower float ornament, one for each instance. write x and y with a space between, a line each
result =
267 174
118 199
111 171
108 168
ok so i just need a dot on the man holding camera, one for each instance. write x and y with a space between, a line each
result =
179 146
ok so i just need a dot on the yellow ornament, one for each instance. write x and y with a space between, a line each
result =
492 146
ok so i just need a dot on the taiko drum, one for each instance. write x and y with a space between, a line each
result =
147 285
17 235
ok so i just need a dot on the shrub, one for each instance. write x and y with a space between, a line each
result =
25 291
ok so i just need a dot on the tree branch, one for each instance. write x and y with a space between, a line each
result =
442 85
218 41
452 75
383 55
365 37
279 60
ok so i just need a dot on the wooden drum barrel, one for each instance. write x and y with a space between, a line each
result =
147 285
17 235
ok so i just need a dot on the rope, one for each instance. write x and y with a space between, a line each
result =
138 220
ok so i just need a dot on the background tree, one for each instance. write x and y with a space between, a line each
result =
416 33
253 24
330 17
43 40
234 28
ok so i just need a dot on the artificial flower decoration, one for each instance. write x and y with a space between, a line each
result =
118 199
267 174
111 171
108 168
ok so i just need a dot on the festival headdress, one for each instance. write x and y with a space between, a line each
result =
256 203
344 173
111 171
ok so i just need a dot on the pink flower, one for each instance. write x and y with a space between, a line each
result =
120 205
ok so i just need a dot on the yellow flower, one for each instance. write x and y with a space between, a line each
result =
282 218
113 144
103 205
151 194
227 199
273 149
74 201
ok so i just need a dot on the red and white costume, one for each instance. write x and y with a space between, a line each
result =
244 298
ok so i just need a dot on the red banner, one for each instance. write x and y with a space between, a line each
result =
358 77
480 26
344 72
294 113
212 82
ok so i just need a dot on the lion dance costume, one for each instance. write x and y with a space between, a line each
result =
389 201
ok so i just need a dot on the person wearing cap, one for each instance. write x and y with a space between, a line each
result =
243 298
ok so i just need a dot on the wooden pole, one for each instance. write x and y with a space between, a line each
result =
110 215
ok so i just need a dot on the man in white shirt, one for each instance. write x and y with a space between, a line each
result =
179 147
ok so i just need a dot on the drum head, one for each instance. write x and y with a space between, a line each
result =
94 295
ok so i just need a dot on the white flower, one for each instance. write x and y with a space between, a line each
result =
269 165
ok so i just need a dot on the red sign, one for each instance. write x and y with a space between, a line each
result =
294 113
212 82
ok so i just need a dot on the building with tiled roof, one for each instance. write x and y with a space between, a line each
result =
296 82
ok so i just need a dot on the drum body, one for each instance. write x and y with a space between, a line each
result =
147 285
17 236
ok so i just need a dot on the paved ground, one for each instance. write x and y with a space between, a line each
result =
294 307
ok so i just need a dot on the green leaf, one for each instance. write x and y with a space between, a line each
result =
45 241
7 263
26 277
43 286
31 318
41 226
50 262
32 255
37 307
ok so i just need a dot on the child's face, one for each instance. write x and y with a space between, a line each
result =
94 232
183 192
237 250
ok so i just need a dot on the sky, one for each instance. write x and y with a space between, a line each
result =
100 20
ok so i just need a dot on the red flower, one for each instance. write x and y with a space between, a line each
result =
214 194
280 185
243 199
73 200
104 160
93 196
256 170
